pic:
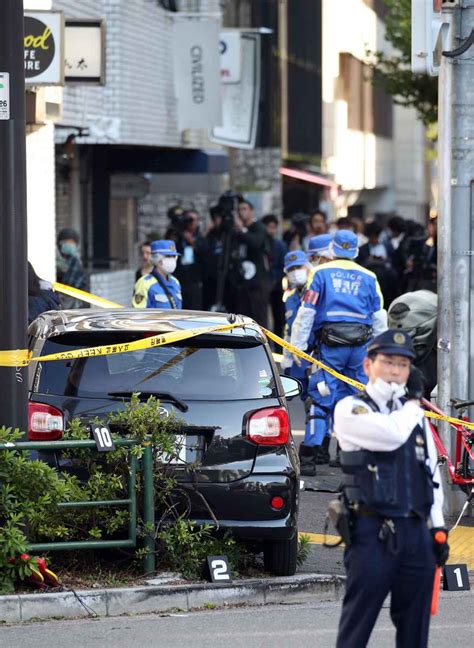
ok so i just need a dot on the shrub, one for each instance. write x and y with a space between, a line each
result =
29 491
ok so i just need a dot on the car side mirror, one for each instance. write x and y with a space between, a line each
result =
291 387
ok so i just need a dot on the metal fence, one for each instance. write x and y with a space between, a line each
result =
143 465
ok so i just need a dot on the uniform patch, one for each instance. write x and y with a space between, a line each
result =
311 297
360 409
138 299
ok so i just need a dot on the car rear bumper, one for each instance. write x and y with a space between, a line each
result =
244 506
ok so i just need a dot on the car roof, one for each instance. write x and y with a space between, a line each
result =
53 323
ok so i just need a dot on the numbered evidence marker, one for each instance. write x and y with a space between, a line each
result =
456 578
103 438
219 569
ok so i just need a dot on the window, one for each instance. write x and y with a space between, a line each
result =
196 369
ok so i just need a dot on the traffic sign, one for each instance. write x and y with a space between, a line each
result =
4 95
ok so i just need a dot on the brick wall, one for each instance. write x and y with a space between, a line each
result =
116 286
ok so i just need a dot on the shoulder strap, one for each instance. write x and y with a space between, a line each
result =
370 401
171 299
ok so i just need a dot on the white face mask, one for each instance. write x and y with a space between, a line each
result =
169 264
298 277
389 391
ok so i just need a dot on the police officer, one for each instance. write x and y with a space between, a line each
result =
159 289
296 270
318 249
341 309
393 488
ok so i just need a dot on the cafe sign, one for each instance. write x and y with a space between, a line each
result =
44 47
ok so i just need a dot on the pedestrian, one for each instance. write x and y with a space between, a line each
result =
297 234
184 231
146 265
160 289
296 269
341 309
374 256
317 225
392 488
41 296
69 268
277 259
252 294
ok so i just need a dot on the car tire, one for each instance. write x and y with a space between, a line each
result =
280 556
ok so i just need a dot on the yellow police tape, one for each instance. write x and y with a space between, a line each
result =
22 357
85 296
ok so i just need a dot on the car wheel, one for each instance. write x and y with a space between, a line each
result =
280 556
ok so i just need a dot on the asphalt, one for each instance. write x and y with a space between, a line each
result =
308 624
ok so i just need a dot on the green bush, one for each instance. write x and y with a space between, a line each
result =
29 492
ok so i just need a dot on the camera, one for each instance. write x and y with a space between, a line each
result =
179 218
226 207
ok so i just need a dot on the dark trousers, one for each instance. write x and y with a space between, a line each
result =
278 309
252 300
374 569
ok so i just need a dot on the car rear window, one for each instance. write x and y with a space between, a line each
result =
195 369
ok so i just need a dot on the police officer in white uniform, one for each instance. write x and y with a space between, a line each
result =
392 487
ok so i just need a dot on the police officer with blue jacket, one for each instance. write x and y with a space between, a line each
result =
160 289
296 270
392 487
341 309
319 249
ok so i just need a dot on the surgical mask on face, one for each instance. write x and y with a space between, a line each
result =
68 249
389 390
169 264
298 277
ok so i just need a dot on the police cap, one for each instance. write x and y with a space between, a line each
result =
294 259
164 247
392 342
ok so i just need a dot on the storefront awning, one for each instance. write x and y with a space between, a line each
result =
308 176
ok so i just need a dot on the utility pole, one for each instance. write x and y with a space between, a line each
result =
13 250
456 211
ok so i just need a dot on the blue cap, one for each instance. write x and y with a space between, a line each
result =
393 342
345 245
294 259
319 245
166 248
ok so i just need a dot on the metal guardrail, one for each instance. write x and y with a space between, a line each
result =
145 464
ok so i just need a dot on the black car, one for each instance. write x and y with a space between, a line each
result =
225 383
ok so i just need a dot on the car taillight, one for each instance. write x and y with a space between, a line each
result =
269 426
46 423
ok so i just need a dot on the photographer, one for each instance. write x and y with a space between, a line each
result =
184 231
253 290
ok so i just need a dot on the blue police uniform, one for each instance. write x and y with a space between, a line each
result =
339 310
292 302
319 246
159 289
392 488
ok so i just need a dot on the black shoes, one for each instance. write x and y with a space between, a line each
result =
307 460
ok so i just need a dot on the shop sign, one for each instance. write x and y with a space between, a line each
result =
44 47
196 72
85 51
240 100
231 56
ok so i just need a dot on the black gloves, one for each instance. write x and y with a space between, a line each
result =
440 545
415 387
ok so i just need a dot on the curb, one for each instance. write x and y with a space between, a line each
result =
148 599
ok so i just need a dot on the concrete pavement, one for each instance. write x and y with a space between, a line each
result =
258 627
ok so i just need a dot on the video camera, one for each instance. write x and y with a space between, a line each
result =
226 207
179 218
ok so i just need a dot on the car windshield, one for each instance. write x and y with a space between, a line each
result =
195 369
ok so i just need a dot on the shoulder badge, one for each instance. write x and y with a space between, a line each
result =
138 298
360 409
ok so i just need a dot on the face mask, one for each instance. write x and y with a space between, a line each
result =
68 249
298 277
389 391
169 264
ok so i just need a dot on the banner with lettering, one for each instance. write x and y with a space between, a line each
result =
196 69
44 47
